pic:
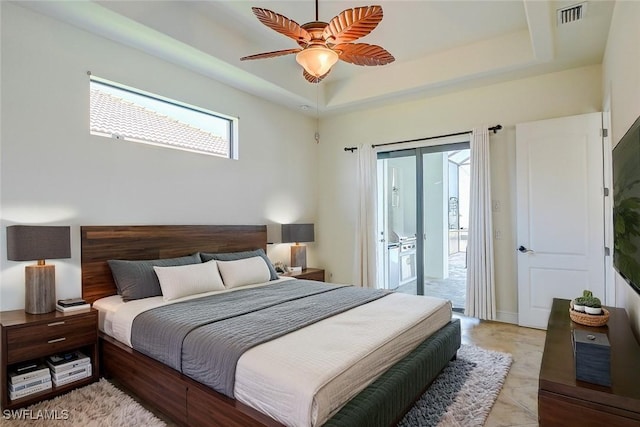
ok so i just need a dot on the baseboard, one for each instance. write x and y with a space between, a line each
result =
507 317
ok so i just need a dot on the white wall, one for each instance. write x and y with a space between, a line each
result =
560 94
621 85
54 172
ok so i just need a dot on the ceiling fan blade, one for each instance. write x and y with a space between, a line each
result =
313 79
363 54
270 54
351 24
282 24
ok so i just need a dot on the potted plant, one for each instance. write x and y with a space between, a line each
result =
592 306
578 304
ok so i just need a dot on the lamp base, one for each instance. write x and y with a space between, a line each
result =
299 256
40 289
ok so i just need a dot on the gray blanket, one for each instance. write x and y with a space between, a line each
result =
204 338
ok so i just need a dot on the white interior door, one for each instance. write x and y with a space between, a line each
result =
560 213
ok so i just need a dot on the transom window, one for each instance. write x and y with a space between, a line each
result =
124 113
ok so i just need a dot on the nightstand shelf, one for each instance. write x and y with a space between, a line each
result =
27 337
47 394
308 274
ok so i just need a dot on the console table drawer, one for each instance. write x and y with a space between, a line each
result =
560 411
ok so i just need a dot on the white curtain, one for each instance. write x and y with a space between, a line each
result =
365 256
481 297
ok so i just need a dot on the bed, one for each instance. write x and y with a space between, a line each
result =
189 402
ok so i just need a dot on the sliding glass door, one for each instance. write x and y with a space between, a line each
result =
423 202
446 221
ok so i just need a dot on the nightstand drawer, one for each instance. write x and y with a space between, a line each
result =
312 275
308 274
37 340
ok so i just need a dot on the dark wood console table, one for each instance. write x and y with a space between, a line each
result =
563 401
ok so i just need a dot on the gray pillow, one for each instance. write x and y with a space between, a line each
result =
137 279
234 256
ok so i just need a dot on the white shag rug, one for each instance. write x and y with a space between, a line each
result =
464 392
98 404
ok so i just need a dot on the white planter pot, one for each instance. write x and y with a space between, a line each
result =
577 307
593 310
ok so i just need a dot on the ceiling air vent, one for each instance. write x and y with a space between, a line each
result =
573 13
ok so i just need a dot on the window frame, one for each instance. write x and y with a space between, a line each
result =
232 122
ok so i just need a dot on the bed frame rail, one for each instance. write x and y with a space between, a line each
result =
187 402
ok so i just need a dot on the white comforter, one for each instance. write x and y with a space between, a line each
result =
305 377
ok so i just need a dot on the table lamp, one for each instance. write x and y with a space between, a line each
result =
29 243
297 233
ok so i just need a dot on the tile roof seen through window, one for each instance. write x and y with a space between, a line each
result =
116 117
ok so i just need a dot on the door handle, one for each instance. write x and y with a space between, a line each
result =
525 250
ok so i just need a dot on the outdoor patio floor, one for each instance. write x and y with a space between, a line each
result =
453 288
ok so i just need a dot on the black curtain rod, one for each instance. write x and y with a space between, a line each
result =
495 129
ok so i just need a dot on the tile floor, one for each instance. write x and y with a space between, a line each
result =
453 288
517 404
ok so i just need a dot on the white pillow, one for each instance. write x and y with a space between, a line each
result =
243 272
184 280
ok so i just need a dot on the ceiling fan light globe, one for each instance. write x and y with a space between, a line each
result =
317 61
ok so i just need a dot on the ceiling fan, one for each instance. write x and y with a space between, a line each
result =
322 44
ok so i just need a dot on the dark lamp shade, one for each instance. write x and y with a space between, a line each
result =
31 242
296 233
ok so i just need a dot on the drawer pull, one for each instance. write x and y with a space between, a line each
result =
56 340
56 323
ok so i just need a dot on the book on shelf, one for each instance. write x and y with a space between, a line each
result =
29 383
70 365
66 379
26 371
71 302
59 376
27 391
72 308
65 361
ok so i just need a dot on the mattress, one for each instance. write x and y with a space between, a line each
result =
303 378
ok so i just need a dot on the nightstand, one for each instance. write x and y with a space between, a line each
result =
308 274
28 337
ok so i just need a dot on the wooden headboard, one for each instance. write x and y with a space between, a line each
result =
139 242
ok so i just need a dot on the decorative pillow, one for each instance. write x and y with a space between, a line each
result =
243 272
232 256
184 280
136 279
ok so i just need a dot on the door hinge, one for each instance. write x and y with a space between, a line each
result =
604 132
607 251
606 192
